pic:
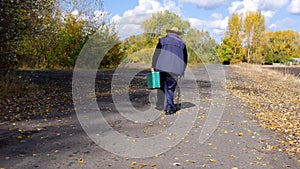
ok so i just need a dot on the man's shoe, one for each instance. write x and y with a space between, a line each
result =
169 112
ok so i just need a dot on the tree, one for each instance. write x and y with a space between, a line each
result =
231 49
282 46
201 46
140 48
225 51
235 34
46 34
161 21
69 40
250 41
254 29
21 21
102 50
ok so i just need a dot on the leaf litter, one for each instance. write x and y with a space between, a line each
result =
273 98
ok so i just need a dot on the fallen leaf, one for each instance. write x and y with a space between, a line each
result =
259 158
80 160
190 161
203 165
232 156
177 164
240 133
143 165
213 160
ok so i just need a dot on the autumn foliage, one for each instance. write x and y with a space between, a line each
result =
248 40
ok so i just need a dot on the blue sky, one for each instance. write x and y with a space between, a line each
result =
210 15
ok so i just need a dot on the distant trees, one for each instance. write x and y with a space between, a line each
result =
247 40
161 21
42 35
282 46
201 47
231 49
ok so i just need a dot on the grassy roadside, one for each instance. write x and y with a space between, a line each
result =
273 98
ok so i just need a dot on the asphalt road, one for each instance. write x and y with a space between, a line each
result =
213 129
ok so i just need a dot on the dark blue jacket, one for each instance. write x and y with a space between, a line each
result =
170 55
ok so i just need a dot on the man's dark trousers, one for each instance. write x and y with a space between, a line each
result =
165 95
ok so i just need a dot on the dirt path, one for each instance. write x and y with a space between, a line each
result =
59 140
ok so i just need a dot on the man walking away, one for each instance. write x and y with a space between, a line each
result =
170 60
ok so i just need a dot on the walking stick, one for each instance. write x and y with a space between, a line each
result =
178 97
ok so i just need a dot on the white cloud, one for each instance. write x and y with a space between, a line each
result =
267 7
273 26
216 16
130 25
294 7
285 23
206 4
145 6
75 13
217 27
130 22
271 4
253 5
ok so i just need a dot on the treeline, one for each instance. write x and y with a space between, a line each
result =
42 35
248 40
201 47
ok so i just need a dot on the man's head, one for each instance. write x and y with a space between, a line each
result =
174 30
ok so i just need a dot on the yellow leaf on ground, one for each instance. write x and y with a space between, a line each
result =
213 160
240 133
259 158
143 165
80 160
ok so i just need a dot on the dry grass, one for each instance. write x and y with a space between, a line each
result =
274 98
262 71
12 85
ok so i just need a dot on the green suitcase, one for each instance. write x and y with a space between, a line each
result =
153 79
